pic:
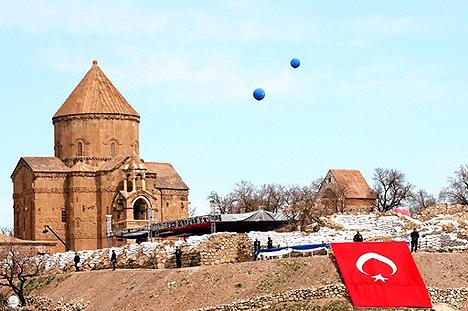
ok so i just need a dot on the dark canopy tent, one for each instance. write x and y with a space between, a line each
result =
259 220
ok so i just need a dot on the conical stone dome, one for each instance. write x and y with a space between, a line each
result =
95 124
95 94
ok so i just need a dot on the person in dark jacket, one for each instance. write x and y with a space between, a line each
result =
113 260
358 237
76 259
414 240
178 257
256 248
270 243
256 245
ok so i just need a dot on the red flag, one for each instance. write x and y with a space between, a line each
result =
381 274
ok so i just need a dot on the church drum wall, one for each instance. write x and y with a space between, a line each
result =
96 135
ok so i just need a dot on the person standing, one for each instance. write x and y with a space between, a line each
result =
76 259
358 237
414 240
270 243
178 257
256 245
113 260
256 248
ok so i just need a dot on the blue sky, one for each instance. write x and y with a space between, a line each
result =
381 84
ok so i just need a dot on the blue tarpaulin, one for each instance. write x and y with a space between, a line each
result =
280 251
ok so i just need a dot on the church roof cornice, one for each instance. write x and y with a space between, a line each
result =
100 116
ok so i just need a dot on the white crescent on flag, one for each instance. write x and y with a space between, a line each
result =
367 256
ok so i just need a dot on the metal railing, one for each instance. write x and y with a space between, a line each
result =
167 225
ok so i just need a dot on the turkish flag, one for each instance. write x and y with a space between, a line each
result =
381 274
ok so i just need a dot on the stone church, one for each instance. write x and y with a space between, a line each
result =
346 190
96 171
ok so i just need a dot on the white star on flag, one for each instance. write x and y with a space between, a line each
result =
379 277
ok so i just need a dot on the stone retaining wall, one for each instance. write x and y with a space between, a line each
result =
226 248
451 296
215 249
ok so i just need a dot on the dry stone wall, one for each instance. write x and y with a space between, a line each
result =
212 249
454 297
226 248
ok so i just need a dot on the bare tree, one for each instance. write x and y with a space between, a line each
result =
244 197
297 203
421 200
271 197
335 200
391 188
224 204
457 190
301 204
192 211
18 266
6 231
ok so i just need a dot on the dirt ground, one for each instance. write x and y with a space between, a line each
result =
190 288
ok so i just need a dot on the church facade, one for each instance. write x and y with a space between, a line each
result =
96 172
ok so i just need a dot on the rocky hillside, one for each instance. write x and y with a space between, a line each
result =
215 275
263 283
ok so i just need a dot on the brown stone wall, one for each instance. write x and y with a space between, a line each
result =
82 213
50 208
225 248
97 135
23 203
107 186
360 204
174 204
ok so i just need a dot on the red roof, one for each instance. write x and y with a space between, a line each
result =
353 183
45 164
167 176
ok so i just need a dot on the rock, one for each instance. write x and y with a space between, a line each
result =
442 307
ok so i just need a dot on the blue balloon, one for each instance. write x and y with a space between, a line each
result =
259 94
295 62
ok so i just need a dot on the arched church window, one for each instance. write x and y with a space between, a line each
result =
129 184
80 149
139 209
137 148
139 183
113 149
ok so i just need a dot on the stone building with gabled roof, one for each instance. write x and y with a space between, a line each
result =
346 190
96 172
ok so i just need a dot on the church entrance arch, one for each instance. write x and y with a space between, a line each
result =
141 207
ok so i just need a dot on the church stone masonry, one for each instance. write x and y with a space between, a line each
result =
96 171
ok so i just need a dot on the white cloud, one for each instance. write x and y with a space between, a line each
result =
123 19
82 18
391 26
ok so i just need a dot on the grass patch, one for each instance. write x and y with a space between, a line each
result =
38 283
276 280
